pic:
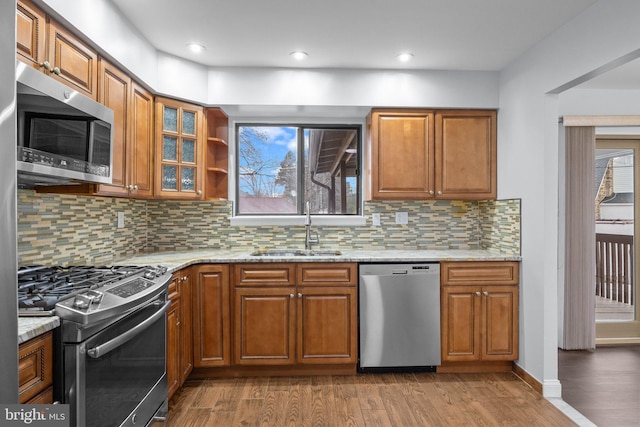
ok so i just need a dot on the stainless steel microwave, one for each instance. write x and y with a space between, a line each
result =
64 137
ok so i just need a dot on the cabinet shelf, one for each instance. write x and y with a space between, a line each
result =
219 141
217 155
218 170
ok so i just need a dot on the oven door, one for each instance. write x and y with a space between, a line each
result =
118 376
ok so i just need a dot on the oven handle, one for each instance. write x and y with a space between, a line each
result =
110 345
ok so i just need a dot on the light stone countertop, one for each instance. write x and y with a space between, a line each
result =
31 327
180 259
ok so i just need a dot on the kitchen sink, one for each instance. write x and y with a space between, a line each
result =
294 253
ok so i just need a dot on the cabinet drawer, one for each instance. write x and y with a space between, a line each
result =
480 273
35 366
264 274
327 274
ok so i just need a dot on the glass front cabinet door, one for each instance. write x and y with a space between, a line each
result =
179 138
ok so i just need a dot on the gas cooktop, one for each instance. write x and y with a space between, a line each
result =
80 290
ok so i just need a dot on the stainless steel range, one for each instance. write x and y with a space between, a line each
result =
111 355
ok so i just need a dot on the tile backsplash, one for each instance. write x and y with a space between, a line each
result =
65 229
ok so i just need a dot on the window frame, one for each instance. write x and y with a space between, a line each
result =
356 219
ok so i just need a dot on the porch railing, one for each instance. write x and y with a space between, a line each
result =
614 268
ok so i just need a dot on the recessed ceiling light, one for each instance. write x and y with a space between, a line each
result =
195 47
299 55
405 57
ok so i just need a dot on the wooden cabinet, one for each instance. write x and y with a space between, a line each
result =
264 324
428 154
211 316
74 63
114 91
295 314
479 309
179 331
465 166
31 29
400 155
179 162
44 44
216 180
140 147
173 347
132 106
35 370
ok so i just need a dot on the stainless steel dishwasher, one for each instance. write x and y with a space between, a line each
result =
399 307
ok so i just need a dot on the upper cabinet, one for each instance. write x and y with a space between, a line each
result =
179 163
427 154
465 166
132 106
216 181
44 44
400 155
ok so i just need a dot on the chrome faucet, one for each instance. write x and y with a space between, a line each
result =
308 241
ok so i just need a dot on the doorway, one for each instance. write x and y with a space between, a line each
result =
616 255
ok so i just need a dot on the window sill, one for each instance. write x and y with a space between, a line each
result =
322 220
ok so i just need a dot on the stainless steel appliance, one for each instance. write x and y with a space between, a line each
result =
111 357
63 136
399 306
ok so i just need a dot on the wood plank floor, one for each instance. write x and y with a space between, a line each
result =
604 384
406 400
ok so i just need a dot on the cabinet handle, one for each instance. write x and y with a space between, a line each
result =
185 278
299 295
291 296
478 293
199 192
439 193
56 71
485 293
431 192
135 187
45 65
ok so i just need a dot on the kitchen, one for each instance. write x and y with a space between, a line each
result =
521 123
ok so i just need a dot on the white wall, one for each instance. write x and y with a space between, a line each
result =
528 161
340 87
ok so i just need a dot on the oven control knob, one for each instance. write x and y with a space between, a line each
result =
82 301
96 296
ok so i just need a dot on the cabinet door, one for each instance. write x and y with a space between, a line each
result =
75 60
35 368
465 152
179 150
400 155
211 321
30 33
186 322
327 321
141 146
460 313
264 326
113 92
173 347
500 322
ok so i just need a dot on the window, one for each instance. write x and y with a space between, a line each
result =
281 167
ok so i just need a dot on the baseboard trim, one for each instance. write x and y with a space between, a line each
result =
527 378
617 341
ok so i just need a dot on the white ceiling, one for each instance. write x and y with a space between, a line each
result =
442 34
481 35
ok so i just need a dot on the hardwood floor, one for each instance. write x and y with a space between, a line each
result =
420 399
604 384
